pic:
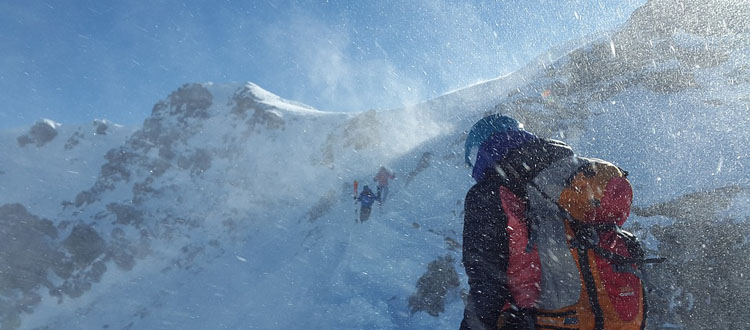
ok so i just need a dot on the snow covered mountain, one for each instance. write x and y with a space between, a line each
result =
48 162
231 208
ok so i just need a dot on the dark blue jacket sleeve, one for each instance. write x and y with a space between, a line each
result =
485 256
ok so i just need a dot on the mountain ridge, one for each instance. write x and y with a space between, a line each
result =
229 191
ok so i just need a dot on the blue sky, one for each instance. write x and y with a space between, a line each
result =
76 60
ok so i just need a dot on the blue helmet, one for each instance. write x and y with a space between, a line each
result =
485 128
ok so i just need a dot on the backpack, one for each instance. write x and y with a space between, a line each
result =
570 263
367 197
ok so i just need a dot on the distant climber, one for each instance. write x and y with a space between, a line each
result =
382 180
366 199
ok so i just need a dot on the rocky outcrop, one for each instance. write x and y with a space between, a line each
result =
424 163
28 251
34 256
704 276
74 140
171 124
248 107
433 287
100 127
323 205
706 256
40 134
85 245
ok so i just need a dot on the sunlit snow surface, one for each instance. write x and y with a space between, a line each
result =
265 236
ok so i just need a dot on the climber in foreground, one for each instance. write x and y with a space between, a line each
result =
542 242
366 199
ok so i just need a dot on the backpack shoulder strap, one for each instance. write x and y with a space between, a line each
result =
586 236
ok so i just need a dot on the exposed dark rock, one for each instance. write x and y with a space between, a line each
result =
167 153
322 206
125 252
190 101
201 161
116 167
707 262
452 244
705 275
27 249
159 166
74 140
126 214
97 271
148 135
84 198
124 261
188 255
244 102
433 286
27 255
142 191
100 127
40 134
85 244
197 163
74 289
424 163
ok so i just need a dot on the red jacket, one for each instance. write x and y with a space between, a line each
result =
382 177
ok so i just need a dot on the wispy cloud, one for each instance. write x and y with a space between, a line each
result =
326 58
114 60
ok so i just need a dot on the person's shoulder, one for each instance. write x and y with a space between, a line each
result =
472 191
486 186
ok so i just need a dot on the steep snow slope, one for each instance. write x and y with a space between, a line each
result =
231 208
